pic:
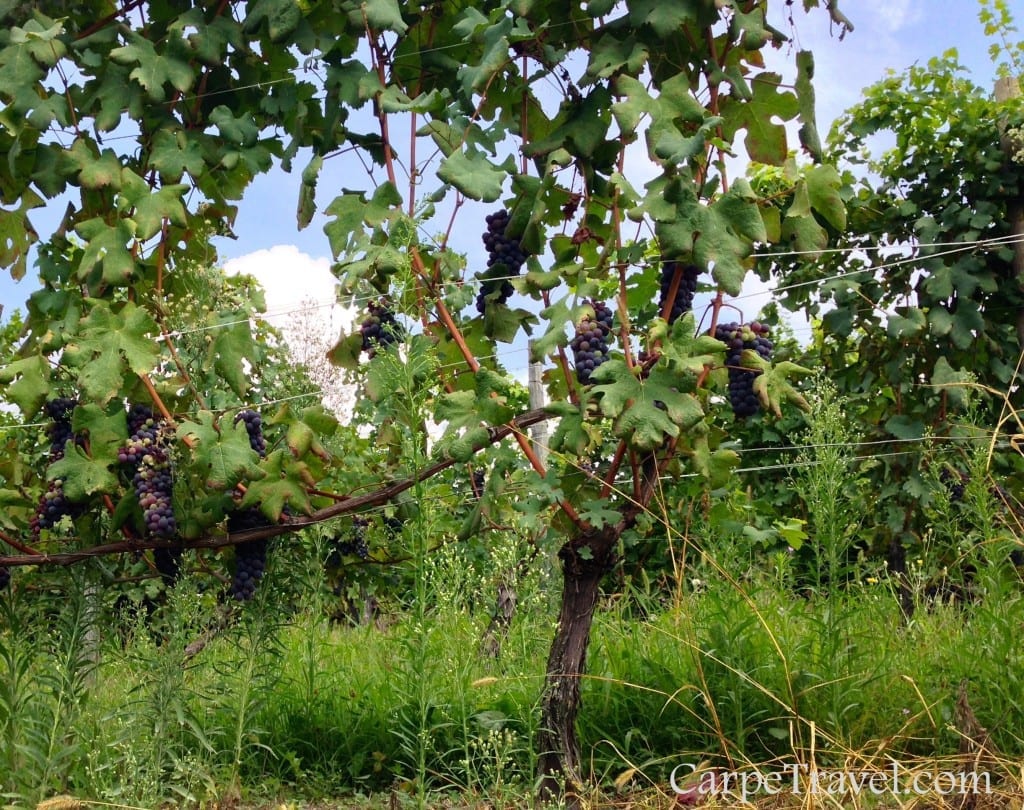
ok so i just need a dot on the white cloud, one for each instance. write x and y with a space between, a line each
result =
892 15
301 296
291 279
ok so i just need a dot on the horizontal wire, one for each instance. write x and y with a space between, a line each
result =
350 301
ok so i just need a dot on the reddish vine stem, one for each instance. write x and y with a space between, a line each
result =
17 544
102 22
188 440
563 361
613 469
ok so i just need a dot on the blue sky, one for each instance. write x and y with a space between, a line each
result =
889 34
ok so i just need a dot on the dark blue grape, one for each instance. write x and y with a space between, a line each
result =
505 257
738 337
591 342
380 329
687 287
254 428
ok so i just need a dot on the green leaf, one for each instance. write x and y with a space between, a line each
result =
773 386
952 382
107 247
684 348
571 435
808 133
174 153
906 322
282 485
153 70
792 531
765 140
17 235
645 412
82 476
27 383
281 16
224 455
148 208
230 351
241 131
384 15
106 429
905 427
110 344
474 175
715 466
823 183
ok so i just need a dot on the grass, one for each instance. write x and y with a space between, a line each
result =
737 679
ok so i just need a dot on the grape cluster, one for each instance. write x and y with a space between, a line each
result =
380 329
683 301
254 427
148 453
250 565
955 483
5 577
590 344
168 564
355 546
59 431
251 556
479 479
505 257
738 337
53 505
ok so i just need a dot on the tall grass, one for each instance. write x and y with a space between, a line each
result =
749 669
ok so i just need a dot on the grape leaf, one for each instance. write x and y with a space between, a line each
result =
765 140
279 486
572 434
31 383
282 17
107 246
683 347
109 343
808 133
645 412
823 184
715 465
952 382
153 70
82 476
224 454
474 175
773 386
106 429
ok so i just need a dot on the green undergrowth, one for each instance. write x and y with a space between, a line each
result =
732 673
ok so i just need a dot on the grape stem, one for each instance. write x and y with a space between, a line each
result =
24 549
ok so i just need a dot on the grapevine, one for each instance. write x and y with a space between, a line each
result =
356 546
251 556
737 338
685 290
380 329
590 344
505 258
254 427
53 505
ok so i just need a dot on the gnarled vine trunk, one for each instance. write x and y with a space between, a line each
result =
560 751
